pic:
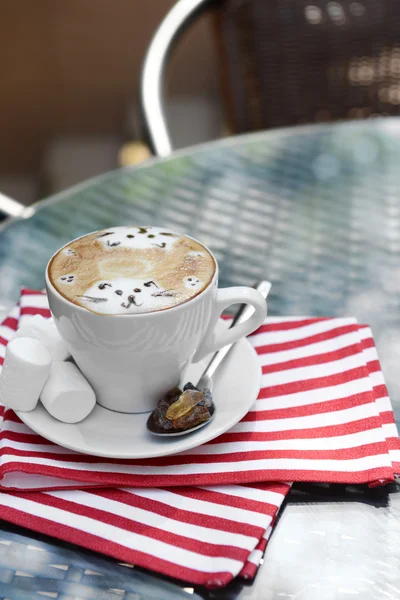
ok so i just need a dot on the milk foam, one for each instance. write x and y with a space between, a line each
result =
138 237
126 296
128 270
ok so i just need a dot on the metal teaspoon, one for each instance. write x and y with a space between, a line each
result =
244 312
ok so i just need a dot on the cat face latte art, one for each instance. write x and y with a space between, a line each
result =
128 270
136 305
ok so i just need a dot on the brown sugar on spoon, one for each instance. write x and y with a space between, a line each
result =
182 410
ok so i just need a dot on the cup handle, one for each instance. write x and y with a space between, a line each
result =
214 340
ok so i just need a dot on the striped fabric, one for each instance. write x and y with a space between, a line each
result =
322 415
204 536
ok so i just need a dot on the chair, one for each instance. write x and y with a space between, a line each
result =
286 62
11 208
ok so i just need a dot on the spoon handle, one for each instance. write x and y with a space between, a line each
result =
244 312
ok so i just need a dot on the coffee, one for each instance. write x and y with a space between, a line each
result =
127 270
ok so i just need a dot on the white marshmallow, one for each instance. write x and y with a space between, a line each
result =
45 330
67 395
25 371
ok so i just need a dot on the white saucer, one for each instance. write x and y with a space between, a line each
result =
116 435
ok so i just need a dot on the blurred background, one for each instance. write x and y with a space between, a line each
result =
70 76
69 89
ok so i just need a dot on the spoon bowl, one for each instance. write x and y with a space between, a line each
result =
155 430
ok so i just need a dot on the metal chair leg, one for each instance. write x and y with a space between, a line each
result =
152 77
10 207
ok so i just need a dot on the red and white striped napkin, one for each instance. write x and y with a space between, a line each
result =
322 415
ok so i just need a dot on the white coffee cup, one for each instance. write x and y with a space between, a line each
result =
132 360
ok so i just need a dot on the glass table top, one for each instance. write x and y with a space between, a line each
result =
315 210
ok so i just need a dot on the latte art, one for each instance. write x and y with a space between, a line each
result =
127 270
